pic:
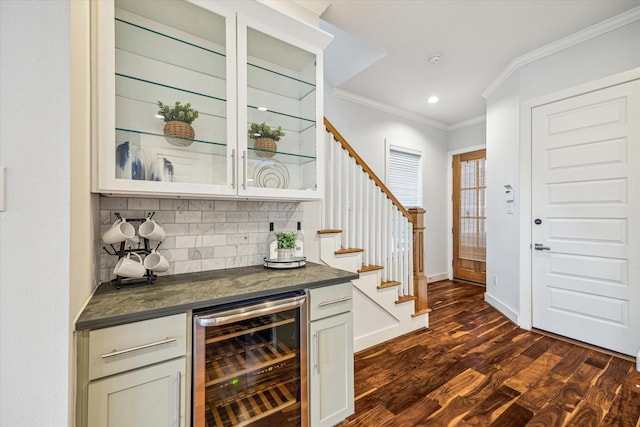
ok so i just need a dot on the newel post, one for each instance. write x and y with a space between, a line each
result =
419 278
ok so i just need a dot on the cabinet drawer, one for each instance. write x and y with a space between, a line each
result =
330 300
124 347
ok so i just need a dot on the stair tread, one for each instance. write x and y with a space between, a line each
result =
421 312
348 251
406 298
335 231
370 267
389 284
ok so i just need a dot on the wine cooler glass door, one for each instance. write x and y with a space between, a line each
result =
249 365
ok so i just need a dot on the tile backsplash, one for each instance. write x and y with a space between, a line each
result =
202 234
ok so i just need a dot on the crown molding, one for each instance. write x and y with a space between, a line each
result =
464 124
376 105
596 30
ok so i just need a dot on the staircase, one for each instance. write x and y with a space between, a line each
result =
366 230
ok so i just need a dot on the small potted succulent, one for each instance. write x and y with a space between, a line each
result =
286 244
178 121
265 138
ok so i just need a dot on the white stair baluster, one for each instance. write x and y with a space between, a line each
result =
409 257
384 239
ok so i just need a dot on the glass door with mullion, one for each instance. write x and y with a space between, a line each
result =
469 216
170 52
278 81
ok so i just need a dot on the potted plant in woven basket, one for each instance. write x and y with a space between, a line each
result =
286 244
178 121
265 139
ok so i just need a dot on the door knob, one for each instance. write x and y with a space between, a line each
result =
540 247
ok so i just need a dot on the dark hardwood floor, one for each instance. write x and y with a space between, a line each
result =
473 367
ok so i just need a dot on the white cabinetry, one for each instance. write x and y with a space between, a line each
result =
331 395
134 374
236 63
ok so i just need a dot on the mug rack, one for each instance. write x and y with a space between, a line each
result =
120 252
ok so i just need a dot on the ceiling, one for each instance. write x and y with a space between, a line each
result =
381 50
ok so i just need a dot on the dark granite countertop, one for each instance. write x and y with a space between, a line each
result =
182 292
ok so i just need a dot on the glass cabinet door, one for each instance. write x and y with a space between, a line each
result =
169 51
278 80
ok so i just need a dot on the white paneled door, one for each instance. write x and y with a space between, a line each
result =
586 213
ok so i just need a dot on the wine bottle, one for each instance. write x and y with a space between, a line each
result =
272 243
298 251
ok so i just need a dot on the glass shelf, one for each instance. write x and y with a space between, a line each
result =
267 80
151 157
289 123
136 108
199 141
154 45
281 156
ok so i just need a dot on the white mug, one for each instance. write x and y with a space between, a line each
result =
120 231
155 261
127 267
151 230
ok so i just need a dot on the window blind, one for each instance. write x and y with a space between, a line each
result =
405 177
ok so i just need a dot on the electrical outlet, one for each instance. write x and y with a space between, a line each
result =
495 280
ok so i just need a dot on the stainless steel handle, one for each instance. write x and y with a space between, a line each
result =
316 353
335 301
252 311
233 168
140 347
244 170
540 247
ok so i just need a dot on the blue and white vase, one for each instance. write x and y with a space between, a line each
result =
161 170
130 162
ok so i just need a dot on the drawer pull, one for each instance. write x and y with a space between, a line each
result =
335 301
140 347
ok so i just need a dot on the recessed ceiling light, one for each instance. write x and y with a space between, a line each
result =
433 99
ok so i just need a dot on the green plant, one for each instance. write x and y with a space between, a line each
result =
180 112
263 130
286 240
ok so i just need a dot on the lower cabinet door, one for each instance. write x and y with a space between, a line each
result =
331 370
153 396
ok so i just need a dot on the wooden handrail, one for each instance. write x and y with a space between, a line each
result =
352 153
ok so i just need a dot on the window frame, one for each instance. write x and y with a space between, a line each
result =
410 151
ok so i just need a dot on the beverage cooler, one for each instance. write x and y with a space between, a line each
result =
250 363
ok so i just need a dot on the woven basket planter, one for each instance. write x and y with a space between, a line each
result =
267 144
182 130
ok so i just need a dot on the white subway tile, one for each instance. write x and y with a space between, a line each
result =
214 216
202 205
214 240
187 266
226 205
203 228
213 264
225 251
188 241
188 217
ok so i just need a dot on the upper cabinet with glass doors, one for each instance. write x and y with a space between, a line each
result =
248 122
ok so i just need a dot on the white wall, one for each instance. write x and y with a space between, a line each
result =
366 129
503 169
602 56
468 136
34 231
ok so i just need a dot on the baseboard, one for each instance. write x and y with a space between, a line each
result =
437 277
377 337
501 307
